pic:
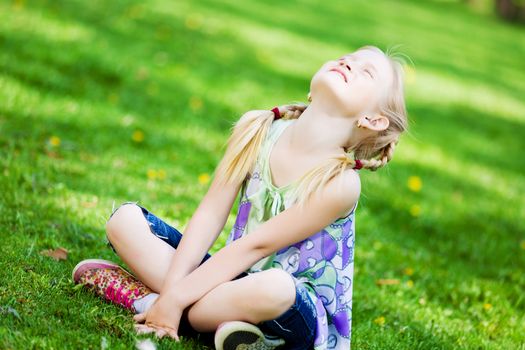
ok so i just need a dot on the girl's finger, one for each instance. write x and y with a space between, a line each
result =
142 329
145 329
140 318
174 335
160 333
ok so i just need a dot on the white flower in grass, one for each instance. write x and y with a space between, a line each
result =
145 344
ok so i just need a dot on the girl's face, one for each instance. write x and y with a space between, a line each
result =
353 84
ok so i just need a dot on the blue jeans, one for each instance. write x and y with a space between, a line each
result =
296 325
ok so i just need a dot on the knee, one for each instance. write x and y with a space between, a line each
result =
119 222
275 292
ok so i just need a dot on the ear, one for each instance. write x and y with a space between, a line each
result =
375 123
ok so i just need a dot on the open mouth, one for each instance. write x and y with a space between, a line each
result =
340 72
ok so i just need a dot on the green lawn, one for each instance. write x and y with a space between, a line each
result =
107 101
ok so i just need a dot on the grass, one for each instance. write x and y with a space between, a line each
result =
103 102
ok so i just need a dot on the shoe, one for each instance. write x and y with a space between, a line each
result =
110 281
238 335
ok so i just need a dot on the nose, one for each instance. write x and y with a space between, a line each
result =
342 62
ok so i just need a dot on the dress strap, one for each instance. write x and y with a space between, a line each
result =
274 131
276 128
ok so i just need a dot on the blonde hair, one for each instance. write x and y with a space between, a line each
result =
374 152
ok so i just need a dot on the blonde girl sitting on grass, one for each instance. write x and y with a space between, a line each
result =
284 278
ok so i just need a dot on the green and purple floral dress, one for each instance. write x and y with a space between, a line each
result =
324 262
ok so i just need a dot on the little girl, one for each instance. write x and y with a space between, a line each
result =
284 278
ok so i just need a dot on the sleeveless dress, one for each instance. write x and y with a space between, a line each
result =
324 262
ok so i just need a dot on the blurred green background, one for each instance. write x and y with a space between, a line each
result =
107 101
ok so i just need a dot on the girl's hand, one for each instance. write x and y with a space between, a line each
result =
163 318
292 110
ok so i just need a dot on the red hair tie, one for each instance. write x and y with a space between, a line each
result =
276 113
358 165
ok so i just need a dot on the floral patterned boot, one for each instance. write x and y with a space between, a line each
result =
110 281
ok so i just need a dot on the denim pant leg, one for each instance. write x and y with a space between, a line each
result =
297 325
159 228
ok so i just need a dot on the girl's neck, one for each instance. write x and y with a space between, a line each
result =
320 133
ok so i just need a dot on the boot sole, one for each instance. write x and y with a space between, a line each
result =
232 334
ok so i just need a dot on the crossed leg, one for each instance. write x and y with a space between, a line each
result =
255 298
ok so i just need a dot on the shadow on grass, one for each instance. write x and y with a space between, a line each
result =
473 135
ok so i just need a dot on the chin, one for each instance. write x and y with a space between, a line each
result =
333 79
331 87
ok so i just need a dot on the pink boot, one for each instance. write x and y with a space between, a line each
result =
110 281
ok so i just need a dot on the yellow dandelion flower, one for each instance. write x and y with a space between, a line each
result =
410 283
387 281
152 174
161 174
195 103
487 306
522 244
137 136
408 271
54 141
193 21
113 98
136 11
204 178
152 89
415 210
18 4
380 320
414 183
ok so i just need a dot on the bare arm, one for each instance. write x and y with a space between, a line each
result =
290 226
202 230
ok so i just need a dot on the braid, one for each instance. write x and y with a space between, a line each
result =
385 156
292 111
373 164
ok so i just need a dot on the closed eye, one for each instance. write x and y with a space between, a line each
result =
368 72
